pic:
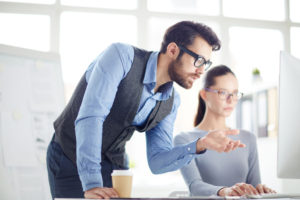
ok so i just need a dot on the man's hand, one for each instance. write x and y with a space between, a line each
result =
218 141
101 193
262 189
238 189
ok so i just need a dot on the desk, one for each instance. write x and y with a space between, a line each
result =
185 198
163 198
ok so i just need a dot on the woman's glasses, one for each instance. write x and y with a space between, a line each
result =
224 95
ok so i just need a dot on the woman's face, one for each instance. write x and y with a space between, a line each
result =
223 100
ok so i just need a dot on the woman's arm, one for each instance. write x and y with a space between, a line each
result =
192 176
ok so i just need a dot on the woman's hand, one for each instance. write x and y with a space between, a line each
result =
262 189
238 189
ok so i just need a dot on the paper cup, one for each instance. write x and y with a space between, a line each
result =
122 182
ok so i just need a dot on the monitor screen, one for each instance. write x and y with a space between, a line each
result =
289 118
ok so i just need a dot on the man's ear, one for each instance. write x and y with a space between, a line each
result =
203 94
173 50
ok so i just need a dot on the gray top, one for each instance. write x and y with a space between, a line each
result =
211 171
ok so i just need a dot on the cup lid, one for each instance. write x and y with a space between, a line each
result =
122 172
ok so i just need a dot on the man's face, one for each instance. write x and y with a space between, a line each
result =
183 71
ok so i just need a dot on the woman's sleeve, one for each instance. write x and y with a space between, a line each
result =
253 177
191 174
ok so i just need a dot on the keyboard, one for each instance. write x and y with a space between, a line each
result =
273 196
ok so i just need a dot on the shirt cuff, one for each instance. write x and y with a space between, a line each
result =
192 148
90 181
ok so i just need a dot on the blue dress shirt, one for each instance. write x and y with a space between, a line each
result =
103 77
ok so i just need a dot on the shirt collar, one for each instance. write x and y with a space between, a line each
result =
150 77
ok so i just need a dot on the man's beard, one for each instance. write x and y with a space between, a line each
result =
175 73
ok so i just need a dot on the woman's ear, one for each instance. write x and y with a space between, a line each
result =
203 94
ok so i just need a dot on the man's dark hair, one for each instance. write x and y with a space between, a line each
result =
184 33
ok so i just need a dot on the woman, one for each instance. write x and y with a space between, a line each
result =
224 174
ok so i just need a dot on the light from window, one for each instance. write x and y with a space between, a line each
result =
85 35
26 31
295 41
31 1
118 4
204 7
255 9
158 26
294 10
255 48
156 30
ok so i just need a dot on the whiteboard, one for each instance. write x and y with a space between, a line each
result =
31 97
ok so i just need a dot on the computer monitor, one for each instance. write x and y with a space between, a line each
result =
288 156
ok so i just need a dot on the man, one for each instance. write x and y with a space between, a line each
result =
123 90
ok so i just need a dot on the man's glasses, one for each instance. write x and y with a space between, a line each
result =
224 95
199 60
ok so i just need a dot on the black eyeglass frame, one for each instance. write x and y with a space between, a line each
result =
206 63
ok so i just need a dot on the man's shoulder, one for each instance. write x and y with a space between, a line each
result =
122 50
122 47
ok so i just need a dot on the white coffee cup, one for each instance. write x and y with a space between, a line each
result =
122 182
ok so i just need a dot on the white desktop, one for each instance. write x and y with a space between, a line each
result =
288 156
289 121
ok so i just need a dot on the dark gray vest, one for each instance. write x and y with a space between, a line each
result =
117 128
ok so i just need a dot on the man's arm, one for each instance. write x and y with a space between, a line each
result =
103 80
162 157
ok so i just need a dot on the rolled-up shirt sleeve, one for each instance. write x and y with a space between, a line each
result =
103 78
161 154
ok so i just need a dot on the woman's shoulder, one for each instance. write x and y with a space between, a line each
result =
247 137
247 134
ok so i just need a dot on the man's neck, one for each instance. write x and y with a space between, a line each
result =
162 74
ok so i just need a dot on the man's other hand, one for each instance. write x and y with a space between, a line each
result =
101 193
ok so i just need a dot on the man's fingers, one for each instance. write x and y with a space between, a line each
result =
112 192
102 193
91 195
232 132
232 145
107 193
242 145
219 141
237 143
229 147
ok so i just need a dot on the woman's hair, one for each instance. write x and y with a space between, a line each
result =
209 80
184 33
